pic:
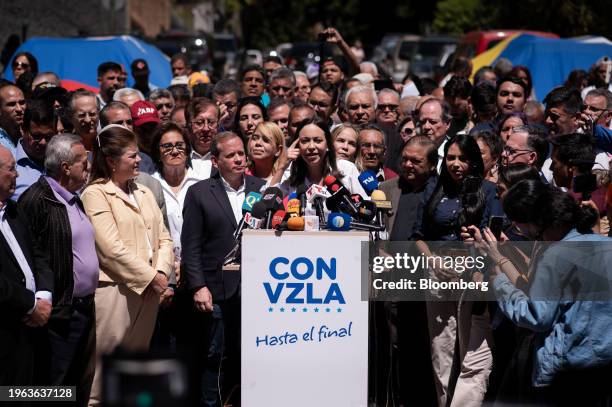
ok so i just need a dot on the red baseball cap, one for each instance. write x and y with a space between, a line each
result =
144 112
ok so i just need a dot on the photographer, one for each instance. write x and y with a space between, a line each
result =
571 162
572 348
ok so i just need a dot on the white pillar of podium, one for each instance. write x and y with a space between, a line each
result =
304 326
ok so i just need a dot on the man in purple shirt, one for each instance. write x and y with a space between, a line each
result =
56 217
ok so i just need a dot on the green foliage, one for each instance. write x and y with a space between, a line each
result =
458 16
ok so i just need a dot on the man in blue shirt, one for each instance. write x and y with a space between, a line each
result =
39 125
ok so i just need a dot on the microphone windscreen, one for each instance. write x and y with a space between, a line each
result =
368 181
259 210
249 200
277 219
338 221
329 180
273 198
293 206
378 195
295 223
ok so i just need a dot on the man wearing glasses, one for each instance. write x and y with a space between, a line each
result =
598 104
202 117
387 118
372 151
39 126
528 145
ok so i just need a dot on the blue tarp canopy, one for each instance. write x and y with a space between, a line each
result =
549 60
76 60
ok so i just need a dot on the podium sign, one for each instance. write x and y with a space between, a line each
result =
304 326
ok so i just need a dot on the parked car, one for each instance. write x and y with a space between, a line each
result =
197 46
421 55
382 54
477 42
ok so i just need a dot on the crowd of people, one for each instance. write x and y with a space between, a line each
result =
118 208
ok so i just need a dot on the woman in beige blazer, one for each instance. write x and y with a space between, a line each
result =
134 248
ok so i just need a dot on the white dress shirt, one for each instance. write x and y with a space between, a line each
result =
236 197
202 165
174 204
7 232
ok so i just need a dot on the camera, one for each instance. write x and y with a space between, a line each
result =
323 36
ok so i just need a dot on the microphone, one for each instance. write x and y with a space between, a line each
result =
273 200
294 208
342 221
316 194
368 181
247 206
340 199
382 205
249 201
301 195
338 221
277 219
295 223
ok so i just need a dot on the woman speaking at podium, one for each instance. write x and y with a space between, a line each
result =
312 158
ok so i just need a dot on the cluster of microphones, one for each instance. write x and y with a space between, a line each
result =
330 207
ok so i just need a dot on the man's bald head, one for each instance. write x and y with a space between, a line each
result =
8 174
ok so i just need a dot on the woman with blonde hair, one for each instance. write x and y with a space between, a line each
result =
133 247
265 147
345 141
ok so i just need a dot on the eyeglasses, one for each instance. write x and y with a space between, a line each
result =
407 131
513 151
201 123
38 137
279 88
23 65
393 108
168 147
169 106
304 88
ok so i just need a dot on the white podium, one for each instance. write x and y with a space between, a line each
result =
304 326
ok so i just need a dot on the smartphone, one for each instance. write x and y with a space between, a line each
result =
495 224
381 84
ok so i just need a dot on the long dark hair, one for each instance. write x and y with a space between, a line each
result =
31 60
472 202
299 170
545 206
242 102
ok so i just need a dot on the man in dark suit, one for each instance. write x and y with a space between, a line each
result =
26 283
418 167
404 324
212 210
